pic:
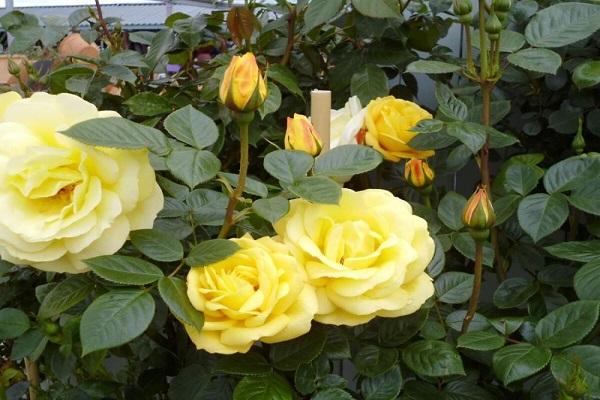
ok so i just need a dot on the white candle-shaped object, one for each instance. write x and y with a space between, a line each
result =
320 114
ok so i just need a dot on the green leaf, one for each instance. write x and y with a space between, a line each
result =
65 295
576 251
587 281
587 197
157 245
128 58
431 141
120 133
521 178
287 356
283 75
148 104
208 206
317 189
124 269
567 324
562 24
498 110
210 252
250 363
432 67
464 243
433 358
394 332
271 209
450 210
332 394
319 12
448 104
505 207
347 160
437 263
13 323
272 102
119 72
30 344
582 360
192 127
541 214
507 325
519 361
456 318
174 293
470 134
571 173
454 287
190 29
384 386
480 341
309 376
193 166
190 384
288 165
587 74
252 186
162 42
115 318
514 292
377 8
538 60
371 360
369 83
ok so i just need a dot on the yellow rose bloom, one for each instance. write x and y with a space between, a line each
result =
243 88
62 201
389 122
258 293
366 257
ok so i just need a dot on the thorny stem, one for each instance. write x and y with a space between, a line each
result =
291 32
33 376
236 194
476 287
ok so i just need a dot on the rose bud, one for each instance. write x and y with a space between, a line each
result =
243 88
418 174
301 135
478 214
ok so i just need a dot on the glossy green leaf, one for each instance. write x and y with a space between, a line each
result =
193 166
125 269
192 127
317 189
287 356
377 8
450 210
211 251
369 83
173 291
567 324
347 160
514 292
464 243
250 363
65 295
283 75
115 318
576 251
519 361
587 281
448 104
587 74
319 12
13 323
571 173
371 360
433 358
385 386
541 214
432 67
587 197
480 341
393 332
157 245
521 178
271 209
454 287
148 104
288 165
537 60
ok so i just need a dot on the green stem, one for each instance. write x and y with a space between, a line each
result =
243 123
426 200
474 301
482 43
33 376
470 63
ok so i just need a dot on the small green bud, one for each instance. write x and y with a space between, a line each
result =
493 27
465 19
502 16
462 7
501 5
578 143
478 214
13 68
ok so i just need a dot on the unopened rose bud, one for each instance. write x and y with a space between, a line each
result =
478 214
13 68
418 174
501 5
301 135
462 9
578 143
493 27
243 88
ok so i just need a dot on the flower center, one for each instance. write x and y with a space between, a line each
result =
350 240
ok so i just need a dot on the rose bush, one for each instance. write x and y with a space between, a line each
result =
366 256
63 201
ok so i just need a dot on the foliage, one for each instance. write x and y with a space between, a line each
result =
116 332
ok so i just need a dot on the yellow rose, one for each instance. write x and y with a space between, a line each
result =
366 256
243 88
62 201
301 135
259 293
389 122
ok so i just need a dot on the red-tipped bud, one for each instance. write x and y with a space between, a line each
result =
478 214
418 174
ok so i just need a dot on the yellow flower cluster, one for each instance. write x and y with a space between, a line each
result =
62 201
337 264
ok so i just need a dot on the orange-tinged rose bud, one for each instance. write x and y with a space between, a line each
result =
301 135
478 214
243 88
418 174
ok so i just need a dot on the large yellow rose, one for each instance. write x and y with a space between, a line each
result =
366 256
259 293
388 123
62 201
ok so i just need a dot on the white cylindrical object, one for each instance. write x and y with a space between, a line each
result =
320 114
